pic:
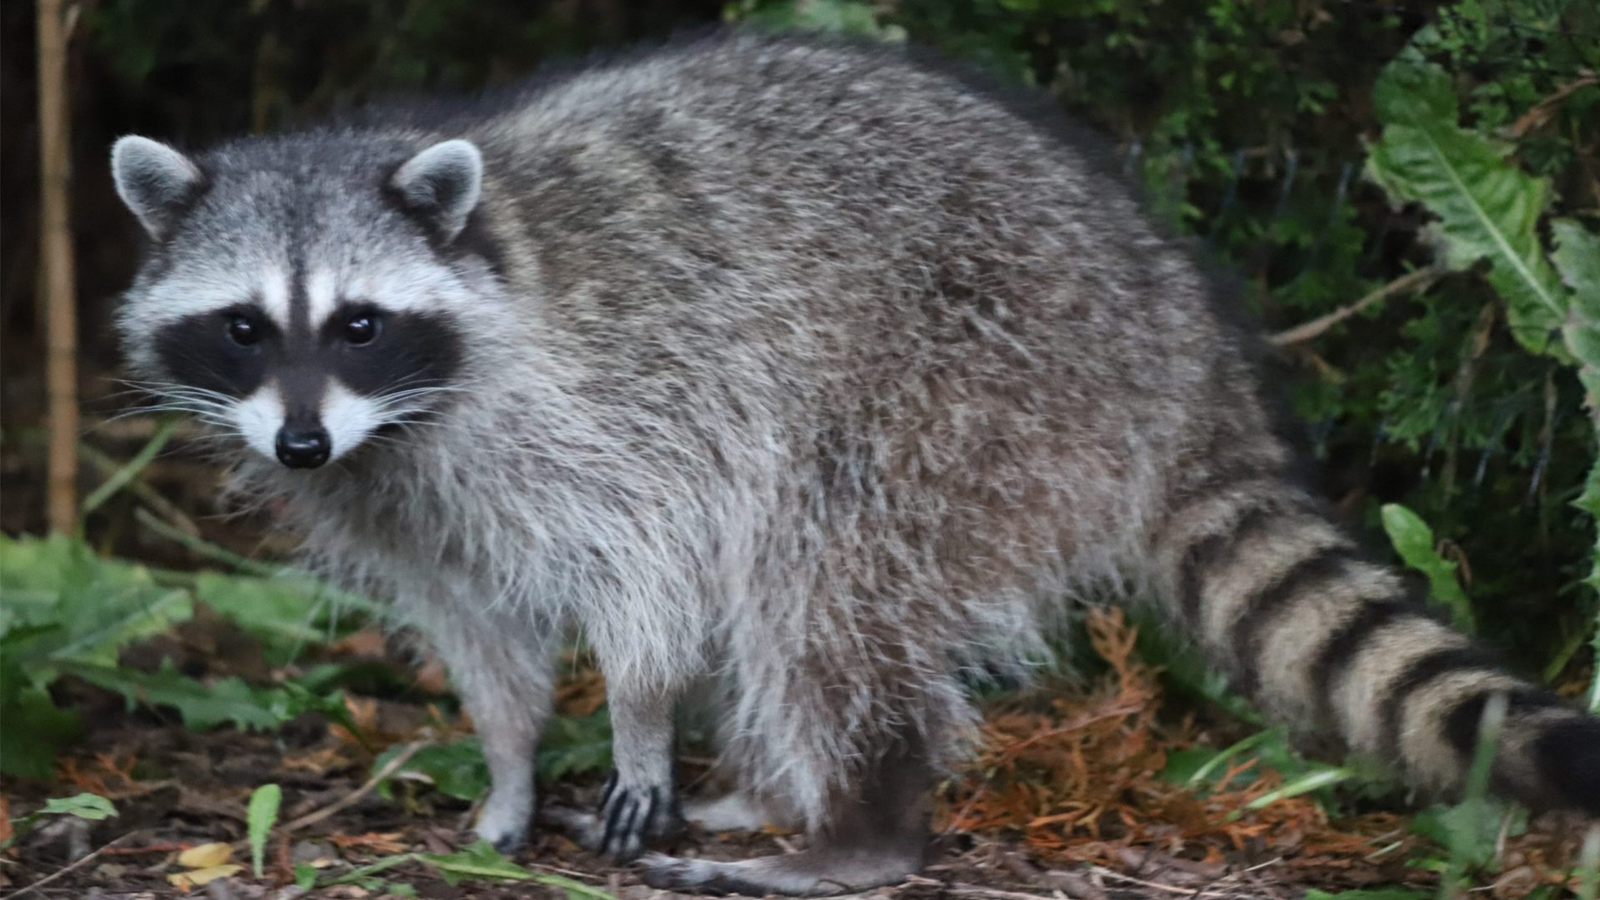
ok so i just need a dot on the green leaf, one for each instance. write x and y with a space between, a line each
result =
1487 207
305 876
456 769
1413 540
364 872
34 729
260 817
281 612
1368 894
85 806
1216 760
202 705
1589 866
481 860
1577 258
1315 780
575 744
64 603
478 859
575 890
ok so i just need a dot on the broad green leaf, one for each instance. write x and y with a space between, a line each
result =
260 817
1487 207
202 705
575 744
456 769
85 806
33 729
281 612
76 606
1413 540
1577 258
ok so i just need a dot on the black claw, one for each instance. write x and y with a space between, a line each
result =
510 843
613 818
650 811
629 816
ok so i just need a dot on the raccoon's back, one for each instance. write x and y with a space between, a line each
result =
861 243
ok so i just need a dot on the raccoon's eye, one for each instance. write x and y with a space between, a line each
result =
361 328
243 331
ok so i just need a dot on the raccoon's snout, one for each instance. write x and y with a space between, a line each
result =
303 448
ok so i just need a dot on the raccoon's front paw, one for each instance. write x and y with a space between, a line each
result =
503 821
630 814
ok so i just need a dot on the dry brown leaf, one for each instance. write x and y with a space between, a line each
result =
1080 781
187 881
316 761
205 856
379 842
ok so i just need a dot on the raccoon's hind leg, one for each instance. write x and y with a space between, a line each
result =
876 834
737 810
1279 597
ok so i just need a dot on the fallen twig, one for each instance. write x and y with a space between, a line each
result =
1418 280
392 766
78 863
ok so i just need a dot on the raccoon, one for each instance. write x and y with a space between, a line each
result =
805 378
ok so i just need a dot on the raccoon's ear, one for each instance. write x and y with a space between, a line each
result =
155 181
441 184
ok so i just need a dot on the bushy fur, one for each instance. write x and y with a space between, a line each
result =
811 373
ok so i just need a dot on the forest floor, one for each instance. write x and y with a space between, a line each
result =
1075 793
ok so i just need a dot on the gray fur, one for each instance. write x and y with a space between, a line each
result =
805 376
154 180
442 183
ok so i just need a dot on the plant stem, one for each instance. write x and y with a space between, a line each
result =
127 473
55 259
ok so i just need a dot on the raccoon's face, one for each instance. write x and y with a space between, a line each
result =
301 294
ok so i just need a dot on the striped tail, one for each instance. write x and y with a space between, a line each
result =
1321 636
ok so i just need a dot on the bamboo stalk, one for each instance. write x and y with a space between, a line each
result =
55 260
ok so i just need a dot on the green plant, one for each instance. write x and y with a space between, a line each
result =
68 612
260 816
84 806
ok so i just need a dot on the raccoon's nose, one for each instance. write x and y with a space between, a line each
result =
302 448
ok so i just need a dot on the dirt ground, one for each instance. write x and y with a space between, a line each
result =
132 856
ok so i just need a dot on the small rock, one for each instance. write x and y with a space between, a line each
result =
1074 884
312 852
